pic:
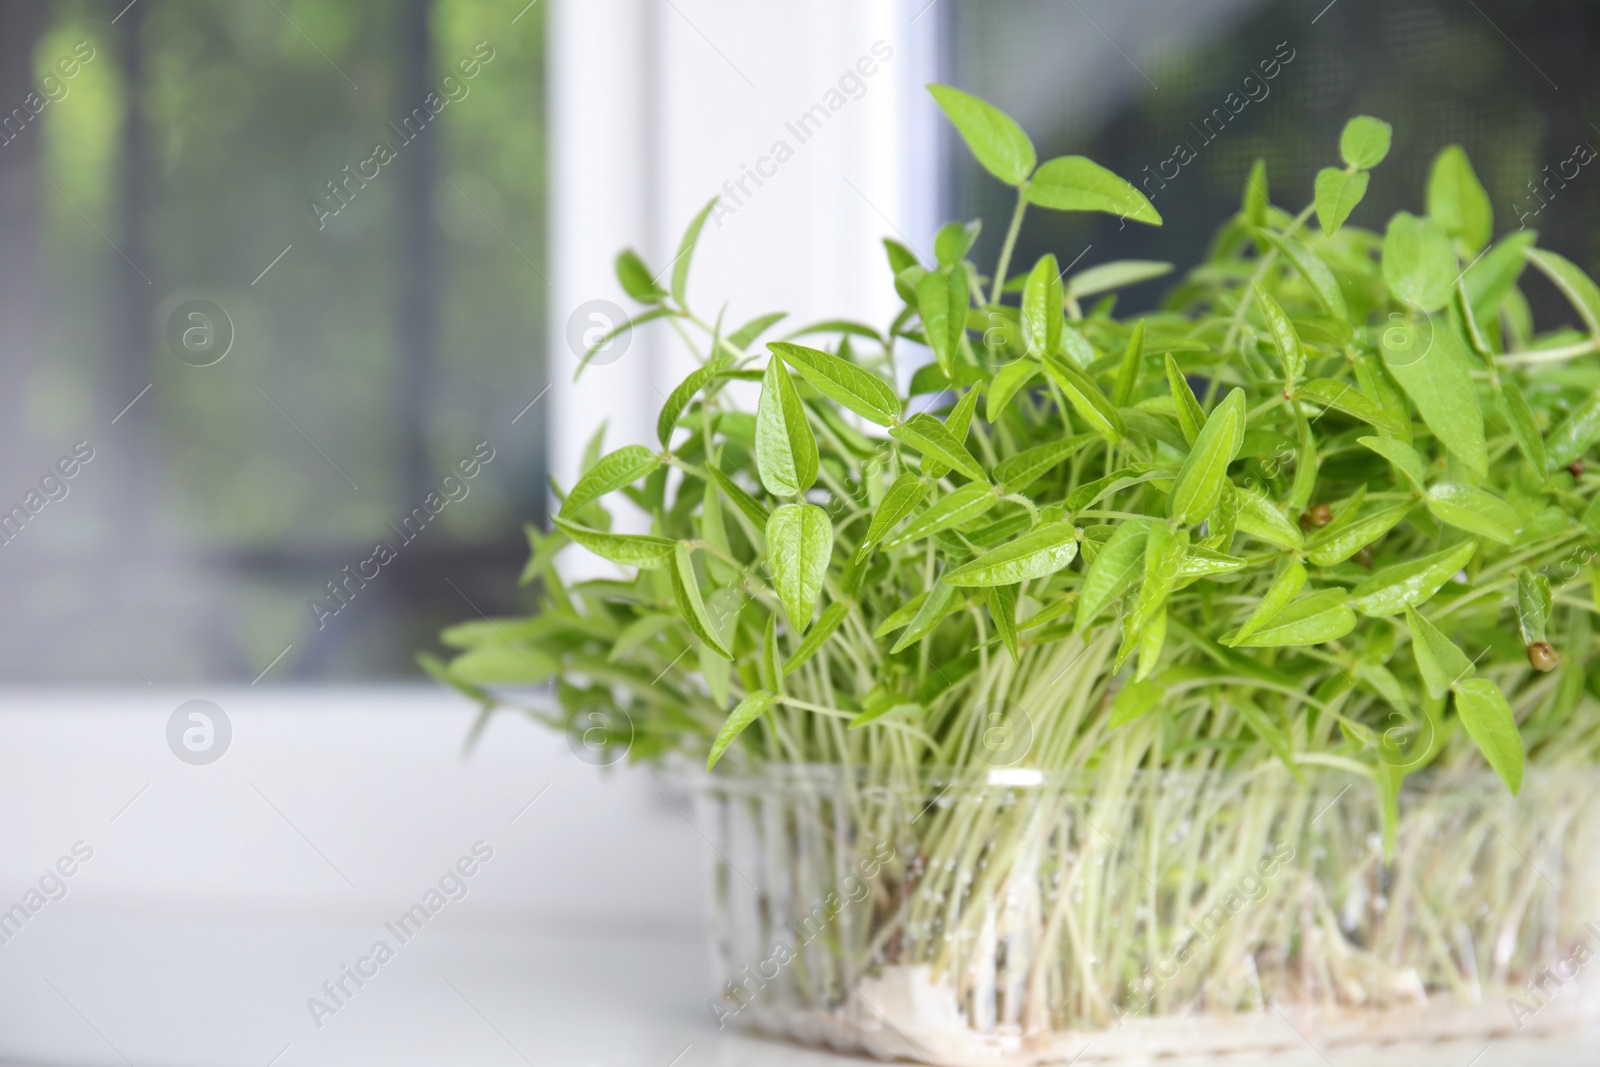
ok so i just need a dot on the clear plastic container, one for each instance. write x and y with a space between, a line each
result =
1015 917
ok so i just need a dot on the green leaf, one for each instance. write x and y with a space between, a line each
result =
1164 552
1002 603
1314 269
952 243
1342 396
1331 546
691 237
843 382
1284 588
1576 433
1033 555
636 278
832 616
994 137
1008 381
1439 382
1117 274
771 669
1574 284
1041 307
503 664
954 509
942 301
786 450
1337 194
1410 584
1419 266
899 501
748 711
1134 701
959 423
934 440
1533 605
1259 518
1489 280
1305 462
1092 405
1113 570
632 550
1198 484
1321 616
1491 725
1263 727
1523 427
745 335
1255 201
1202 562
1458 201
686 593
1291 351
799 544
1474 510
1074 183
927 617
622 467
1402 455
1128 371
1016 473
667 421
748 505
1440 662
1190 414
1365 141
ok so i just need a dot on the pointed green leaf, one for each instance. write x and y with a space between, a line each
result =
1342 396
786 449
994 137
1576 433
1033 555
1117 274
959 423
667 421
952 243
1337 194
934 440
832 616
1134 701
1198 484
1284 588
691 237
1411 583
623 467
1418 264
1075 183
1439 382
632 550
1440 662
1474 510
799 544
843 382
927 617
1364 141
771 670
1533 605
899 501
745 335
1402 455
1002 603
1016 473
1203 562
1291 351
1523 427
1331 546
749 710
1092 405
942 301
1259 518
1113 570
1321 616
1128 371
636 279
748 505
1458 201
1314 269
1041 307
1008 381
953 510
1487 716
1574 284
686 593
1190 415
